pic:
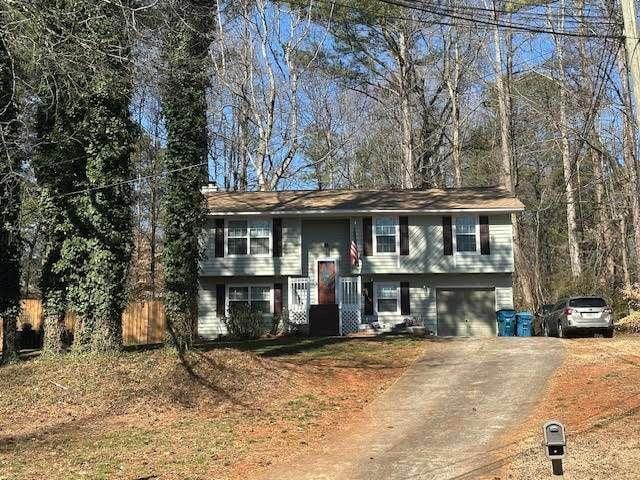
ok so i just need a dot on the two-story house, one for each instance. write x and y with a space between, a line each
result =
339 260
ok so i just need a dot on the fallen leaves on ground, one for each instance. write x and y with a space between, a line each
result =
596 394
222 412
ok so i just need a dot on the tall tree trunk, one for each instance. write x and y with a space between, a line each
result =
626 275
452 73
10 201
406 124
630 159
507 165
185 111
563 127
605 237
109 137
48 164
54 303
504 110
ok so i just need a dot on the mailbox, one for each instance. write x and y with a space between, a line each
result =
555 441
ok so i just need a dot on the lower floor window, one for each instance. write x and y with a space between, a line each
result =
256 297
387 298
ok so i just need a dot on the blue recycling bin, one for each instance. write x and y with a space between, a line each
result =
506 322
524 322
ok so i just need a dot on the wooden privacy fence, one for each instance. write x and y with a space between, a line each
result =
142 322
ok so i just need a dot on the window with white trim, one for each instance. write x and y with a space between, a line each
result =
259 237
258 297
466 234
387 297
249 237
385 235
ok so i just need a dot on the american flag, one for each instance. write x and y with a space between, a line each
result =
353 248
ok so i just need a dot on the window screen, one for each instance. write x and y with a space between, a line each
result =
385 232
466 234
387 298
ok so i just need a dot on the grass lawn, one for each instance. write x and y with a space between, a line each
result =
225 411
596 394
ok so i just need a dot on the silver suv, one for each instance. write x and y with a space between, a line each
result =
579 315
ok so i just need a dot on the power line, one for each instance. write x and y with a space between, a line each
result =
492 11
128 181
489 22
483 24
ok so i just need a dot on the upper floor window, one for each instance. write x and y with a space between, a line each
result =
385 235
466 234
249 237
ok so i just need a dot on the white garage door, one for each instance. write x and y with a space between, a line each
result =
466 312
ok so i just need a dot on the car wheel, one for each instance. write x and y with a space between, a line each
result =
608 333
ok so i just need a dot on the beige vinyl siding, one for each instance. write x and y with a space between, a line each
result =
500 241
422 293
426 251
303 239
288 264
210 325
335 232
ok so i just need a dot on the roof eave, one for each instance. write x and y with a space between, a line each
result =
356 212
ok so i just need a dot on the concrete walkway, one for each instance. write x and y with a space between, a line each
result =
441 419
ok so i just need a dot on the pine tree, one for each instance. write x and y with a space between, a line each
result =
185 109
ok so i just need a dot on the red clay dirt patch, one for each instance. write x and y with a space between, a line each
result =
596 394
222 413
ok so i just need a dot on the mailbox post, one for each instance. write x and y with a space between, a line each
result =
555 443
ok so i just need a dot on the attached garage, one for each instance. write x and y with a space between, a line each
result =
466 312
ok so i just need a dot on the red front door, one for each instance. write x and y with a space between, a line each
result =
326 282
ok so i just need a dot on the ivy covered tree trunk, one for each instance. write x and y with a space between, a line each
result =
109 136
86 139
10 165
185 112
59 165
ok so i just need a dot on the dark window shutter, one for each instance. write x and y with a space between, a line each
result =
367 232
405 304
277 298
220 299
447 236
404 235
367 291
277 237
219 246
485 248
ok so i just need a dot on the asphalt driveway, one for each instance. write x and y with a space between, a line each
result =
442 419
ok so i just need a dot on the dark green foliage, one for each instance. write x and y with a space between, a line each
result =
83 165
245 322
110 136
10 166
59 165
184 108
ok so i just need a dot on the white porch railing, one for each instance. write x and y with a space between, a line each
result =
349 301
349 298
298 302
